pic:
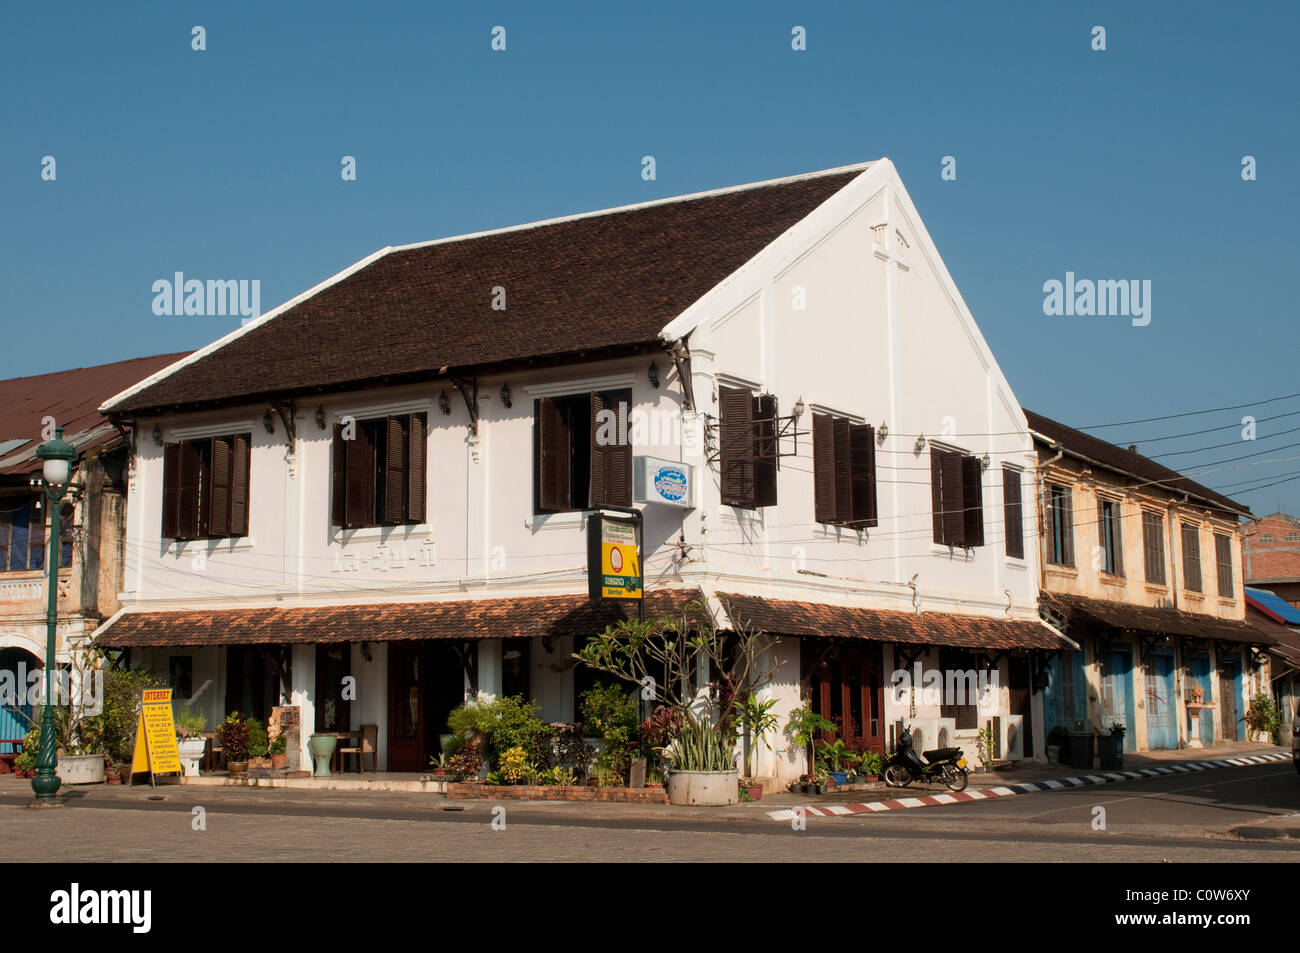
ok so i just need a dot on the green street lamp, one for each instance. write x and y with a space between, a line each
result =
56 458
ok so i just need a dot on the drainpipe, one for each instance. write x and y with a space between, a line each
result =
1173 562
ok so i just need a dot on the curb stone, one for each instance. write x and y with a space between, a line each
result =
1027 787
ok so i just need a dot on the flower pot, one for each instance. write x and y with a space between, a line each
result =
261 763
322 749
237 767
871 779
114 777
840 777
1053 754
191 752
81 769
755 791
704 788
280 760
819 789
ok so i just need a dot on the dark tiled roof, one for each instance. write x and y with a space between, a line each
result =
1168 621
587 285
72 398
1286 642
810 619
1112 457
389 622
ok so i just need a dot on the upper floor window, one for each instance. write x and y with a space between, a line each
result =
747 441
1110 537
205 487
1153 547
956 498
582 452
1223 563
1191 557
22 534
1060 525
1291 537
1012 518
844 471
1267 538
379 471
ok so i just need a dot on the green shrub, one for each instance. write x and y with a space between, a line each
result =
116 724
257 743
280 745
503 723
608 714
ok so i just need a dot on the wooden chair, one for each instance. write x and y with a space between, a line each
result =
369 746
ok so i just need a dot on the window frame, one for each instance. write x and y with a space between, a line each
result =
1195 535
1110 535
1223 546
956 480
371 485
1060 524
1013 512
1153 530
845 485
190 508
574 470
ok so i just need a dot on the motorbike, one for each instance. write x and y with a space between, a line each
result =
946 765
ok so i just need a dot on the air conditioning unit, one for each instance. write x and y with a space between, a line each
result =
1013 737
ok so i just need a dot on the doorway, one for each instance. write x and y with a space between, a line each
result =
425 682
1198 672
848 689
1229 691
1162 728
15 712
1020 695
1116 692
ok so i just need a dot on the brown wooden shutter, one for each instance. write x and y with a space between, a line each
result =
1191 558
862 467
240 471
843 471
765 450
1153 557
189 491
1066 501
1012 518
339 481
972 501
598 450
936 492
823 469
218 496
736 436
1117 538
395 470
417 473
618 455
954 521
1223 564
552 457
171 502
360 480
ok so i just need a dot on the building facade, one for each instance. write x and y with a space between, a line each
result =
1143 568
372 502
1272 554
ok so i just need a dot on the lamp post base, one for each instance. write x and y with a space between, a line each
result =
39 803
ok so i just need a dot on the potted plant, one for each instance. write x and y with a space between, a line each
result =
832 754
1110 747
755 719
804 725
984 747
1058 740
704 765
258 745
115 772
24 763
279 750
232 736
190 742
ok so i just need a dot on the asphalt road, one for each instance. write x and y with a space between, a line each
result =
1180 818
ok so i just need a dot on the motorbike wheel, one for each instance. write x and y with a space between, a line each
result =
897 776
954 777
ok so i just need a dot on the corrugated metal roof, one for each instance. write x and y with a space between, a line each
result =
72 398
1273 605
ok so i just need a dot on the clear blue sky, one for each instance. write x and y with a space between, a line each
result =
1117 164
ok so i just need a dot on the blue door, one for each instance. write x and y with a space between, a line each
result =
1065 697
1198 668
1234 722
1162 727
1117 693
15 713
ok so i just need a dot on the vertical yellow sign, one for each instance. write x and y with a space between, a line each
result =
155 734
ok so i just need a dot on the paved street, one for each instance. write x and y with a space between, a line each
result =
1180 819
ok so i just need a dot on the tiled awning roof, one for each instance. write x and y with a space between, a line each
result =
520 618
1286 641
1169 621
812 619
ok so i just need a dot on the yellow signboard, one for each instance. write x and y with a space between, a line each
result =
619 574
155 734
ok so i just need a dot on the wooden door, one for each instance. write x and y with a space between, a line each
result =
1020 694
406 722
1229 678
1116 693
849 690
1162 729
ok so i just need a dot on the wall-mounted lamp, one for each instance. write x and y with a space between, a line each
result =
157 436
510 655
654 375
919 445
985 461
268 423
365 652
881 433
443 403
799 407
320 417
505 393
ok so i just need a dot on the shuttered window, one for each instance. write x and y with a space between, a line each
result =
844 472
956 498
1153 547
379 472
206 487
22 534
1012 512
1191 557
1223 564
736 445
1060 525
954 665
582 452
1109 537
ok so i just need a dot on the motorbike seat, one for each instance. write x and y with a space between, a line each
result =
941 754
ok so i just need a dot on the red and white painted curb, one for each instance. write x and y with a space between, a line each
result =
1027 787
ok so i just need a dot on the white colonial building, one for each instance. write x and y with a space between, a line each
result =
388 478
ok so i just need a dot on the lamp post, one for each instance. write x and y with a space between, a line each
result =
56 458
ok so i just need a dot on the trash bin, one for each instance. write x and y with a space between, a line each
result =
1081 750
1110 751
